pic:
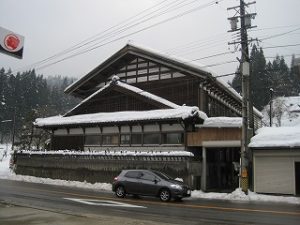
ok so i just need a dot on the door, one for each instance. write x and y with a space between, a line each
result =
297 177
148 184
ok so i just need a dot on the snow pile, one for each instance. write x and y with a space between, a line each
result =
276 137
4 159
223 122
78 184
181 112
239 195
285 112
109 153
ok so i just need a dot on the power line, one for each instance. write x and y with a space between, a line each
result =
280 34
170 7
134 32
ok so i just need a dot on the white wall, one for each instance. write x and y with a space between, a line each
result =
274 171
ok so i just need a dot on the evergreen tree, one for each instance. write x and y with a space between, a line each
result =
259 80
280 77
295 77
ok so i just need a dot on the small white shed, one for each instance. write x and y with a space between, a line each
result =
276 160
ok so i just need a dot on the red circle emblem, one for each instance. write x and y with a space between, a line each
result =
11 42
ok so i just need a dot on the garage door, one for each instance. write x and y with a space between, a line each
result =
274 174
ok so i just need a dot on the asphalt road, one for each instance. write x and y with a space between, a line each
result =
43 204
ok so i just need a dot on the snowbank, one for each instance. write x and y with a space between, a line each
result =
239 195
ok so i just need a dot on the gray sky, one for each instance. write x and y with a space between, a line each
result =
51 26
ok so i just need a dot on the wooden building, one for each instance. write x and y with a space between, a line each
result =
143 100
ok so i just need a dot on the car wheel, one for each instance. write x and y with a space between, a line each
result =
120 192
165 195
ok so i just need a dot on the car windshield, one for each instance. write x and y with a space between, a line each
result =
162 175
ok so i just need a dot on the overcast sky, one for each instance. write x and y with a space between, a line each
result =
52 26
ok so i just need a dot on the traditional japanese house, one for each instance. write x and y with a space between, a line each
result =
141 100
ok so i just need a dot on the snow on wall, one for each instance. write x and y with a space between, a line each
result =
109 153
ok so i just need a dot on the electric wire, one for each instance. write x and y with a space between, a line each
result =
134 32
170 7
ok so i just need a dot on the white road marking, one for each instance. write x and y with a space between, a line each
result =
103 203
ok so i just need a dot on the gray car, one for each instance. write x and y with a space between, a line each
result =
149 183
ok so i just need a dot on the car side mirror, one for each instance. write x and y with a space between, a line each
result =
155 181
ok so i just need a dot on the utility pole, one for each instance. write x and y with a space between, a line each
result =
247 108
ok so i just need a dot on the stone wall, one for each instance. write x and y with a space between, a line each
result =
99 168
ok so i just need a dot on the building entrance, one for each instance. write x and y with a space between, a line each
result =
222 169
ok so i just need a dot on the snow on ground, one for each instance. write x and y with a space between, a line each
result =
237 195
285 112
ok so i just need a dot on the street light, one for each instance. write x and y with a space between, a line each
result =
271 99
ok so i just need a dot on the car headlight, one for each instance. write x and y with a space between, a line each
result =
176 186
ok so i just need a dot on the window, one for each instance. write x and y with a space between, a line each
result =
92 140
136 139
125 139
133 174
110 139
148 176
152 139
172 138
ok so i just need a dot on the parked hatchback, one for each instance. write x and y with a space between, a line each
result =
149 183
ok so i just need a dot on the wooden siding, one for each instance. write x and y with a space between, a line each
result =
114 101
213 134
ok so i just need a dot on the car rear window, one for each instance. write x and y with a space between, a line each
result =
133 174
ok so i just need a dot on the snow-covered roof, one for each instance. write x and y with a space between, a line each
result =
116 81
181 112
276 137
223 122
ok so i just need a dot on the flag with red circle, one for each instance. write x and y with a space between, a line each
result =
11 43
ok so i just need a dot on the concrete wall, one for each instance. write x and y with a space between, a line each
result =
97 168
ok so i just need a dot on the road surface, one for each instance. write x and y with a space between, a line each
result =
41 204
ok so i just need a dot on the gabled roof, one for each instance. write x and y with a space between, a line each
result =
127 54
116 84
179 113
130 52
